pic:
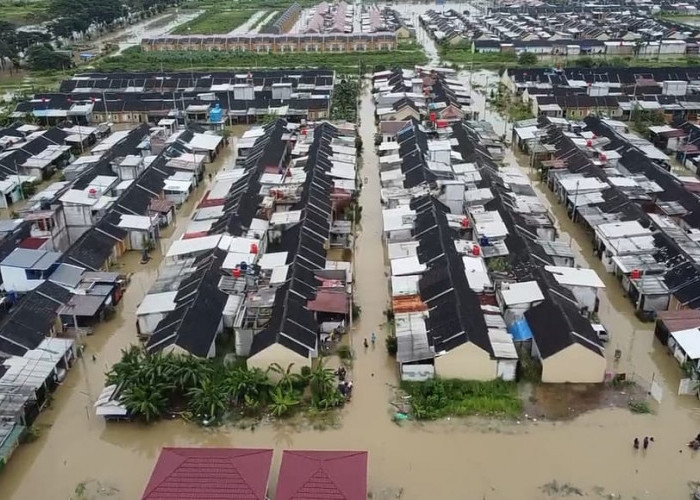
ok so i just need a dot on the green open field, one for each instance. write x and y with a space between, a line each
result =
134 59
22 12
215 21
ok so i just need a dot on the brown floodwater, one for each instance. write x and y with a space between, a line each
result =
457 459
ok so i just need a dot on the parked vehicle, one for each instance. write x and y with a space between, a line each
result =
601 332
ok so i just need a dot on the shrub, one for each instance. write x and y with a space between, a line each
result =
344 352
440 398
392 345
527 59
641 407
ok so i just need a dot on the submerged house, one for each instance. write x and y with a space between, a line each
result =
290 336
193 326
565 343
34 318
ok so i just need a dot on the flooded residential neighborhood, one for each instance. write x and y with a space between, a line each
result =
458 280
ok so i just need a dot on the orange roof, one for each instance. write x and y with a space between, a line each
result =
408 303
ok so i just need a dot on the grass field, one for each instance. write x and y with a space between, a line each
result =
134 59
22 12
215 21
440 398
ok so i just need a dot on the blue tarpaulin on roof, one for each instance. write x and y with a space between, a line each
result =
520 330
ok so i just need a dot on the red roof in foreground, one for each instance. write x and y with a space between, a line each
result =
322 475
209 473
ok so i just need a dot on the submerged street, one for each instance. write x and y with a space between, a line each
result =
449 459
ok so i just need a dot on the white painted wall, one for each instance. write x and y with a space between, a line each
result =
277 353
468 362
14 279
575 364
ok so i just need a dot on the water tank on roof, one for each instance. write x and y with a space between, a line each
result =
216 114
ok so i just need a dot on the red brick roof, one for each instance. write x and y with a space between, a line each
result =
209 474
322 475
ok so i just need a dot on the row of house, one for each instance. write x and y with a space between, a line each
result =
643 218
209 99
562 32
478 275
585 47
56 282
376 20
271 43
331 18
592 24
618 93
253 261
400 95
445 27
284 22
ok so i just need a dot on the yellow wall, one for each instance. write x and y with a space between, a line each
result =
575 364
468 362
278 354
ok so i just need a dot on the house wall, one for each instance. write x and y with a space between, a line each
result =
507 369
14 279
585 296
675 305
78 220
244 340
575 364
149 322
277 353
563 261
547 233
137 239
399 236
654 302
468 362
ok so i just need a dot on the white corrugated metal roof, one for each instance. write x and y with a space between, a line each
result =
521 293
689 341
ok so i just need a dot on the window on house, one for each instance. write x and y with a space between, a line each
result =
33 274
45 224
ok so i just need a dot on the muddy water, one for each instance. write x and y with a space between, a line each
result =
446 460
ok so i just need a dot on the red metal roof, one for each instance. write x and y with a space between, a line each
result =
33 243
210 473
331 300
322 475
675 321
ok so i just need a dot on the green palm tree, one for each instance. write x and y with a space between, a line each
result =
332 399
159 368
128 368
282 401
146 401
287 378
208 400
243 384
322 382
191 371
